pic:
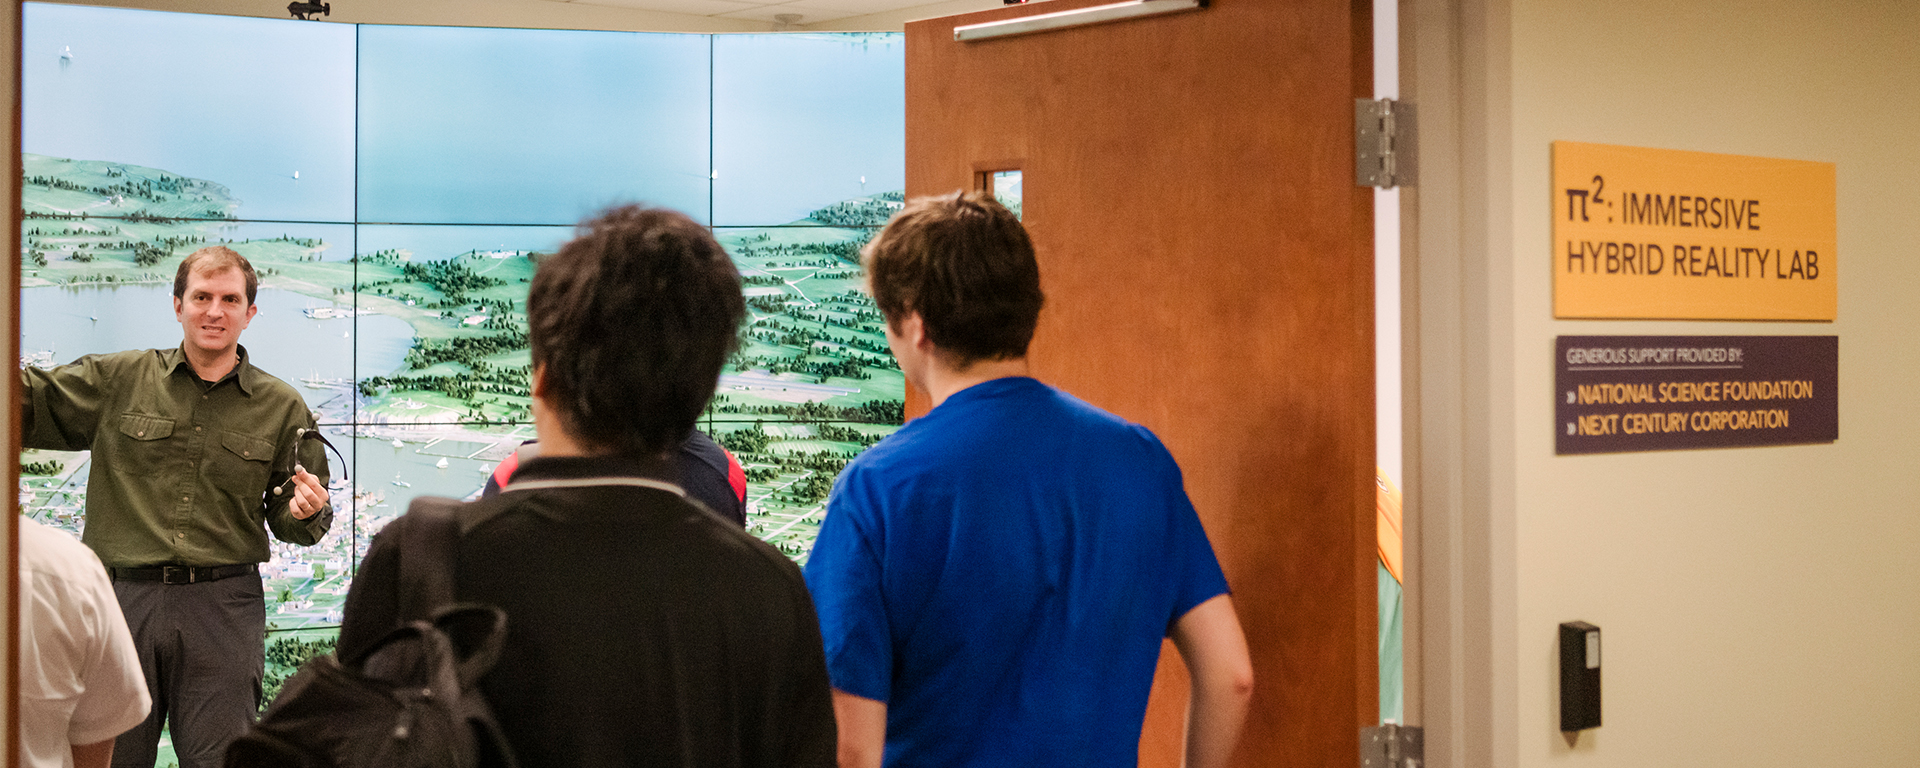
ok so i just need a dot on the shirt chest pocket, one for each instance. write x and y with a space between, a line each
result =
245 460
143 428
142 448
247 447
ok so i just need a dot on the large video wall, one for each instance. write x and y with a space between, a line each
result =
393 186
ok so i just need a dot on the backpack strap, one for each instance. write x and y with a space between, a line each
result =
427 557
429 549
428 552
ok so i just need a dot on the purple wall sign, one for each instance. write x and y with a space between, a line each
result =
1663 393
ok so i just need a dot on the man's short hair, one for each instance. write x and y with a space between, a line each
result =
631 322
964 263
211 259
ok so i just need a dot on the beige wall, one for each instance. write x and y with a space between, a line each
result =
1759 605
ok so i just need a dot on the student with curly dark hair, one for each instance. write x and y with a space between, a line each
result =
641 629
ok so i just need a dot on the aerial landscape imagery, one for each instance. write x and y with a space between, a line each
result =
812 384
393 294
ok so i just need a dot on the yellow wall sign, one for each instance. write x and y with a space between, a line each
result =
1665 234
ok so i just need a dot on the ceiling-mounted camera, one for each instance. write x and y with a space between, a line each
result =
305 11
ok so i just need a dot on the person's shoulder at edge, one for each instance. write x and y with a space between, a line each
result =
44 548
702 446
87 663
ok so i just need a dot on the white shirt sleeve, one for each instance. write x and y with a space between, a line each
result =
80 679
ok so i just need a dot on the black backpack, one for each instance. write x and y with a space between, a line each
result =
410 700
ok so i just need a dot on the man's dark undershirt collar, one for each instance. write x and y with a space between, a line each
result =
242 372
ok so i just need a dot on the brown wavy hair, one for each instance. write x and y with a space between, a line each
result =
965 264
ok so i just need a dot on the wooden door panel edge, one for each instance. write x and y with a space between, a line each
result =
1208 267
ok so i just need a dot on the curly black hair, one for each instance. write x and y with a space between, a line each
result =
630 324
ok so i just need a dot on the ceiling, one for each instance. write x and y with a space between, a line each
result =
810 12
636 15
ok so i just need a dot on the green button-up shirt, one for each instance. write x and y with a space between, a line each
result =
182 472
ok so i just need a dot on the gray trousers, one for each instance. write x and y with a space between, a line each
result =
201 649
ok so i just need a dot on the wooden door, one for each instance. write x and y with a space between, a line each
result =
1207 258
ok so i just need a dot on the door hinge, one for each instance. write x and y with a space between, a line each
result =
1383 143
1392 746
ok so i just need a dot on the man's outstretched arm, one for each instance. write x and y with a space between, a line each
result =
1215 650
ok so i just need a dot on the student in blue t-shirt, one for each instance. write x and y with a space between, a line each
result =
994 580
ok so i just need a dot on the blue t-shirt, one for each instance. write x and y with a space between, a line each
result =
1001 572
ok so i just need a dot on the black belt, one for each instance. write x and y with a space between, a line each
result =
183 574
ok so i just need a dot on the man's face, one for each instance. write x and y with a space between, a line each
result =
214 310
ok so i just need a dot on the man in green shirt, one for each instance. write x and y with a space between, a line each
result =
194 449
